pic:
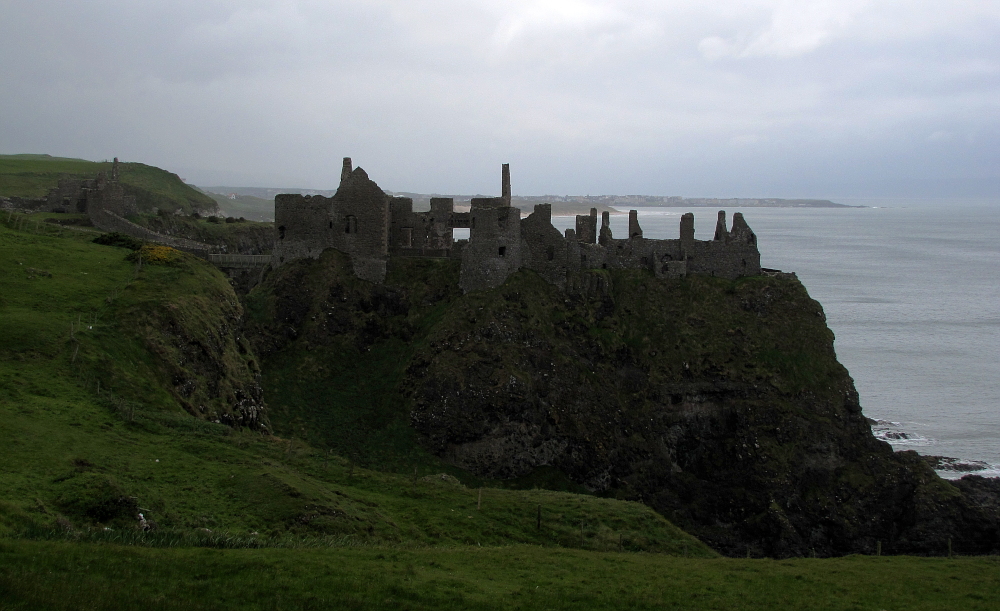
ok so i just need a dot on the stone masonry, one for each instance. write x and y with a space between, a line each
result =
368 225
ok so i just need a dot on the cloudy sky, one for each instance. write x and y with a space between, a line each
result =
795 98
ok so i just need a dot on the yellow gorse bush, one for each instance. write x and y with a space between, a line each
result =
155 254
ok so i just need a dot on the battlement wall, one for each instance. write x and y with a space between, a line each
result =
363 222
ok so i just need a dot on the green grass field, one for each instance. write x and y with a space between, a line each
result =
62 575
90 436
31 176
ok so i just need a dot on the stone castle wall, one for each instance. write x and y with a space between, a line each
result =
362 221
494 249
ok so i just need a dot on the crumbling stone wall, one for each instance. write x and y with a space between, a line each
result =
544 249
363 222
586 227
354 221
420 234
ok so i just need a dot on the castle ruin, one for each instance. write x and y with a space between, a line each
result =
364 222
95 197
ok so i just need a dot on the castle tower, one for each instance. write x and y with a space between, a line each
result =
505 183
114 170
346 171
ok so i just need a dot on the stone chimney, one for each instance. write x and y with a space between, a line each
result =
346 171
634 230
721 233
605 236
505 184
687 229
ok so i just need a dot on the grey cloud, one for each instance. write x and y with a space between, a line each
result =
726 98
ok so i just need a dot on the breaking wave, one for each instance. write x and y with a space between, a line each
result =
949 468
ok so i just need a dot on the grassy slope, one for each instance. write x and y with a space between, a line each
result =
67 576
32 176
58 433
69 451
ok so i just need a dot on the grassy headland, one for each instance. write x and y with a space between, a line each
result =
32 176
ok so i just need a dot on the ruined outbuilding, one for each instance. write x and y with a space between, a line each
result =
96 197
364 222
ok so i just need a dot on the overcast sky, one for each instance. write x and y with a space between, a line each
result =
725 98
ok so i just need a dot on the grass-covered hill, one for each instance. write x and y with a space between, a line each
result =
246 206
32 176
112 377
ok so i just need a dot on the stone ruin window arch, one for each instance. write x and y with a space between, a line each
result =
351 224
281 232
550 253
503 251
406 239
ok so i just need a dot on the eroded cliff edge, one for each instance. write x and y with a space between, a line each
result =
719 403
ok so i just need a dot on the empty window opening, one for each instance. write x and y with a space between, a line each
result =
351 224
604 266
503 251
331 224
281 232
406 239
550 253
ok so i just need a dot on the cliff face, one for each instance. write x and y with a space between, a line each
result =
719 403
190 321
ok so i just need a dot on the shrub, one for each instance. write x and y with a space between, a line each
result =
155 254
96 497
230 219
214 219
120 240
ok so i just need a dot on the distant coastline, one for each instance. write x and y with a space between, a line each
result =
562 205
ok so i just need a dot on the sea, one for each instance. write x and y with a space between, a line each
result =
911 289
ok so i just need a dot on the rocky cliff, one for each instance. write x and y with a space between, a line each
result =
719 403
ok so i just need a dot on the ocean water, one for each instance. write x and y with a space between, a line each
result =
912 292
